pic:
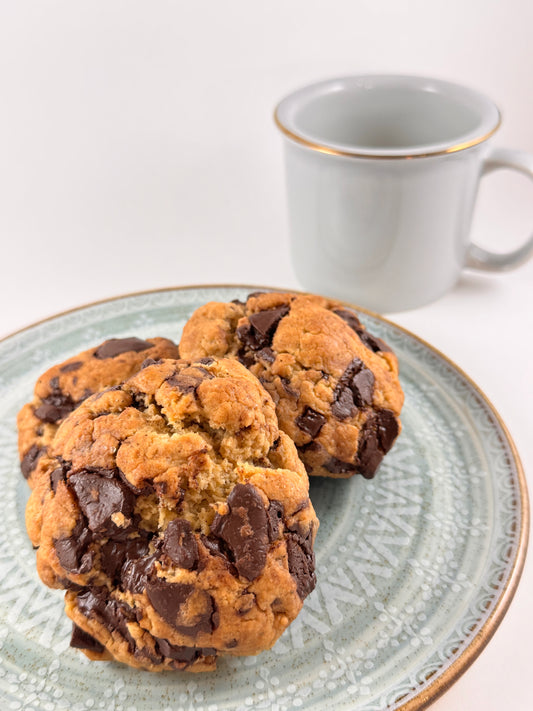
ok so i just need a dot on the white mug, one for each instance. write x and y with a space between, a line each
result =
382 175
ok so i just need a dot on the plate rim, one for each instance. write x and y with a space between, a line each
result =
426 696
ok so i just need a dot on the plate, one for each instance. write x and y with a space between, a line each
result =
415 568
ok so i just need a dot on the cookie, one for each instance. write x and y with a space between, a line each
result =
335 385
64 386
177 516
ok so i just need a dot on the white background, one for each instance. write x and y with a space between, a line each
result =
137 150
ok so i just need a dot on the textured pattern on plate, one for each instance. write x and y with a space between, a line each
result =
410 565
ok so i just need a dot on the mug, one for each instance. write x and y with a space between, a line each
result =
382 174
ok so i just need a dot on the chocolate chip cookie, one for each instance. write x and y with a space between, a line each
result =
177 516
335 385
64 386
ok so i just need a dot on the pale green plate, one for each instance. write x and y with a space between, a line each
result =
415 568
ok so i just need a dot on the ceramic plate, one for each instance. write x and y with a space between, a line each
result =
415 567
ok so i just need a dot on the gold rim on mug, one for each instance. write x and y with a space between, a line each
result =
323 148
449 676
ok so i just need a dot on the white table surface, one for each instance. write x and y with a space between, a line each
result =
137 151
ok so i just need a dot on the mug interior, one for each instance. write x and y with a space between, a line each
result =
387 115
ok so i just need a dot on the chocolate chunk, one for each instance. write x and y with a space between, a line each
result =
182 654
354 367
355 389
310 421
350 318
149 361
138 491
187 608
69 585
258 333
275 519
374 343
246 336
215 546
115 554
138 400
72 551
388 429
310 447
134 573
71 555
116 346
338 466
91 600
100 495
185 655
377 436
238 302
59 474
179 543
70 367
146 653
243 357
83 640
185 383
369 456
206 361
114 615
304 504
362 387
265 322
301 563
254 294
68 553
245 530
55 407
30 459
343 405
266 354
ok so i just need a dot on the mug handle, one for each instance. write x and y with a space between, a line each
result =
482 259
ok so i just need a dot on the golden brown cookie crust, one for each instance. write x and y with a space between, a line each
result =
63 386
335 385
178 517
